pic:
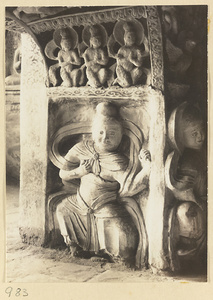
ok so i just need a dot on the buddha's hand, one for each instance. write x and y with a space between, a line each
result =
131 56
145 158
85 167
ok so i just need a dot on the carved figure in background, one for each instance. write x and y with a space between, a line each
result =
68 58
14 78
170 21
181 48
130 56
95 56
101 218
180 56
186 177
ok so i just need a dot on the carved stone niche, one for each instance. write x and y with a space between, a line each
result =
70 121
47 111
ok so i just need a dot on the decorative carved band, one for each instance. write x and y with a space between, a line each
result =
11 25
107 15
155 42
140 93
110 15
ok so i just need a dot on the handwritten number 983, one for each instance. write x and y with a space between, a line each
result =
18 292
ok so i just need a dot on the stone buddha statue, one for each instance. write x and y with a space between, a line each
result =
68 58
15 77
130 56
188 179
103 219
95 56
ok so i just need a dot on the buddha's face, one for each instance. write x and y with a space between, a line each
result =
66 44
95 41
107 135
129 38
190 45
193 135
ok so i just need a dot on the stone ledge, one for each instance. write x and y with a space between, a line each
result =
116 92
12 89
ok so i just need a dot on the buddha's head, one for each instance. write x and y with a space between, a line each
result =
192 128
129 35
66 42
186 127
95 37
107 130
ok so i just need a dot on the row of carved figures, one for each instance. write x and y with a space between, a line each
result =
96 49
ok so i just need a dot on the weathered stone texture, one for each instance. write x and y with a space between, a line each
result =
155 204
12 134
33 128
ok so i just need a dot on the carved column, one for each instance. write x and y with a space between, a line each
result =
156 202
155 205
33 140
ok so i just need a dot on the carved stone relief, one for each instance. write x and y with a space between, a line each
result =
186 177
13 62
185 41
108 15
185 32
96 160
129 66
147 16
156 51
68 59
95 56
131 55
112 56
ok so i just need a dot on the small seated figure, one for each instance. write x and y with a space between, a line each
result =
14 78
68 58
189 183
86 219
95 56
130 59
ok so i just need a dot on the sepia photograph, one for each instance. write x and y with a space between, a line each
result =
106 119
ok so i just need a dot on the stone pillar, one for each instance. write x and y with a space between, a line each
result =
33 140
156 202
